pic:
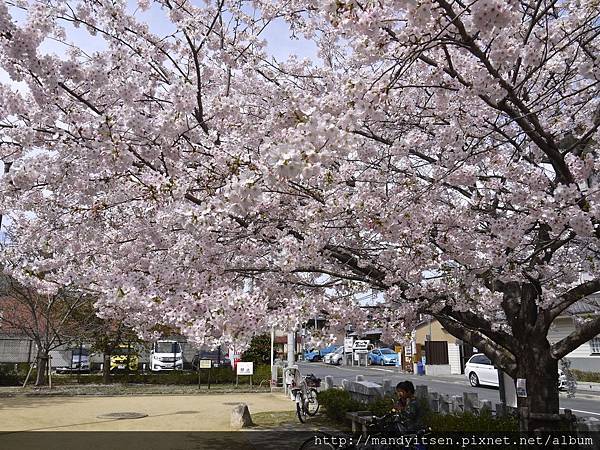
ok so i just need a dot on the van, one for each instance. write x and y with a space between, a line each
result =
166 355
76 365
124 357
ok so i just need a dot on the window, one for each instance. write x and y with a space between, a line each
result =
595 345
480 359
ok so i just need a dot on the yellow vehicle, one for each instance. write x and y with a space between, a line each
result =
123 358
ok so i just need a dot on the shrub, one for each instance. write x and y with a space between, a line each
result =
382 406
590 377
11 376
469 422
218 375
337 403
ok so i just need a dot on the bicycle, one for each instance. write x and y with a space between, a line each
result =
386 426
303 391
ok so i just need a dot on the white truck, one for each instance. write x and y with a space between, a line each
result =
166 355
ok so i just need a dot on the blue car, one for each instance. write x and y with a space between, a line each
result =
383 357
314 354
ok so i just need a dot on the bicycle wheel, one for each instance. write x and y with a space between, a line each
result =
300 408
312 404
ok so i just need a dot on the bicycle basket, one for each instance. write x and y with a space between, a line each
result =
312 381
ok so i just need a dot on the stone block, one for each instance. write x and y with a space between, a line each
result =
240 417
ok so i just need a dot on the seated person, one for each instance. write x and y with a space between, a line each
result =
407 407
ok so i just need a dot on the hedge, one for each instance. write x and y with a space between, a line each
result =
218 375
338 402
590 377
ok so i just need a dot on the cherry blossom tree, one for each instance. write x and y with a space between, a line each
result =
443 153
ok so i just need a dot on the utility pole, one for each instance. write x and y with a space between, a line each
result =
291 344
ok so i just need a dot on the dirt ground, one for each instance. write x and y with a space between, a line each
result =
164 413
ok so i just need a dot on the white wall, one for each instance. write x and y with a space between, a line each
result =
454 358
581 357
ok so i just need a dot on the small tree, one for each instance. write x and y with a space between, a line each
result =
46 319
259 351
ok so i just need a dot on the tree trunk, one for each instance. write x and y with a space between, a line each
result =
42 366
106 369
540 409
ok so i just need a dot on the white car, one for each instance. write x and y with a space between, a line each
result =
479 370
334 358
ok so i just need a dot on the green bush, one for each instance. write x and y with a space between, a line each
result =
218 375
337 403
590 377
468 422
11 377
381 406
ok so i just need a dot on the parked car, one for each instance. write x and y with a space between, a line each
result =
383 357
218 358
314 354
75 367
166 355
335 357
124 358
479 370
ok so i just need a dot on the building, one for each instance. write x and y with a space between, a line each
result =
587 356
445 354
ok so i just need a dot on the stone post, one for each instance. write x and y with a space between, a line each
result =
421 392
457 404
328 382
434 401
470 402
444 404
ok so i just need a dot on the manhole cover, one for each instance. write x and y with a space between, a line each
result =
122 415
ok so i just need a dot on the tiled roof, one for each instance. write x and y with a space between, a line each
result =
590 304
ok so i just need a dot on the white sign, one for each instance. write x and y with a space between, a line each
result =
510 392
348 342
361 347
521 387
205 363
245 368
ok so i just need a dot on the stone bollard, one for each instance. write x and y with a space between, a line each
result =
328 382
360 378
387 386
589 427
444 404
500 410
240 417
457 404
434 401
470 402
421 392
485 407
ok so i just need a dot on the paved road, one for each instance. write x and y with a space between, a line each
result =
587 404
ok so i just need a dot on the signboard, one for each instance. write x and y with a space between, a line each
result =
205 363
361 346
348 343
245 368
521 387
